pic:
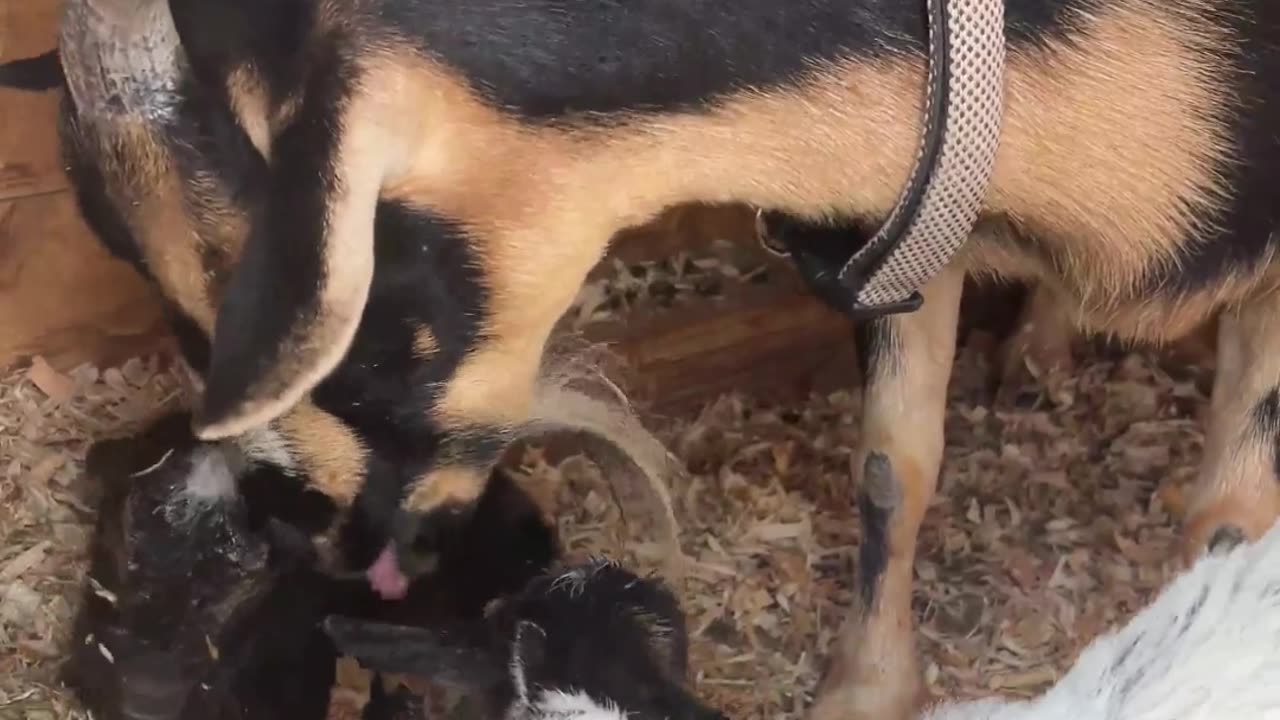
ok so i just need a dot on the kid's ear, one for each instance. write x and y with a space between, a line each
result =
458 657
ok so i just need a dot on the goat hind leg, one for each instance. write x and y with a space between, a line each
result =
1237 493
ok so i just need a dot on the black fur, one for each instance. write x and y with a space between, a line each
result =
1225 539
879 348
873 553
1245 232
182 591
1266 418
220 36
425 277
547 59
613 615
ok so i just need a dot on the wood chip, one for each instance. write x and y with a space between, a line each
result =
44 469
30 558
56 386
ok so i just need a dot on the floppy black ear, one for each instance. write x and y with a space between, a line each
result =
294 301
36 74
281 328
454 656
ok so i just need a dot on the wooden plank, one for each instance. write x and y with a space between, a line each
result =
62 295
773 342
29 153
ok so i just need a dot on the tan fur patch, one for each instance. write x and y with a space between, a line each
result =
331 454
249 102
425 344
1113 146
452 485
154 202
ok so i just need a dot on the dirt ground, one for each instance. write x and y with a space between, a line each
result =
1054 521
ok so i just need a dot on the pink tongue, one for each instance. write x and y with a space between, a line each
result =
385 576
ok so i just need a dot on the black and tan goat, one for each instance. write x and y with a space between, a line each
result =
205 597
592 640
168 180
1134 180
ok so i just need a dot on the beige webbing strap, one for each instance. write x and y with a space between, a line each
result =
963 111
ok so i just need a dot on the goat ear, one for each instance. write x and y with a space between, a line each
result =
530 646
458 657
288 315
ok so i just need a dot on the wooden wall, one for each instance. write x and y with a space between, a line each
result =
61 295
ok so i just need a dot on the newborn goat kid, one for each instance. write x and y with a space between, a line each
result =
202 605
592 641
190 613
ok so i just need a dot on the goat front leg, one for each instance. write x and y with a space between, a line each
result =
874 672
1237 493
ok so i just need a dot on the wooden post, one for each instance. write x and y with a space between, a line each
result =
61 294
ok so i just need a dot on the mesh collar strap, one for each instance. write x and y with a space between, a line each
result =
940 205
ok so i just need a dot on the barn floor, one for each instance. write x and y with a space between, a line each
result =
1053 522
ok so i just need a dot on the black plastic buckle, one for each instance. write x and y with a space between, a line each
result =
813 251
860 312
